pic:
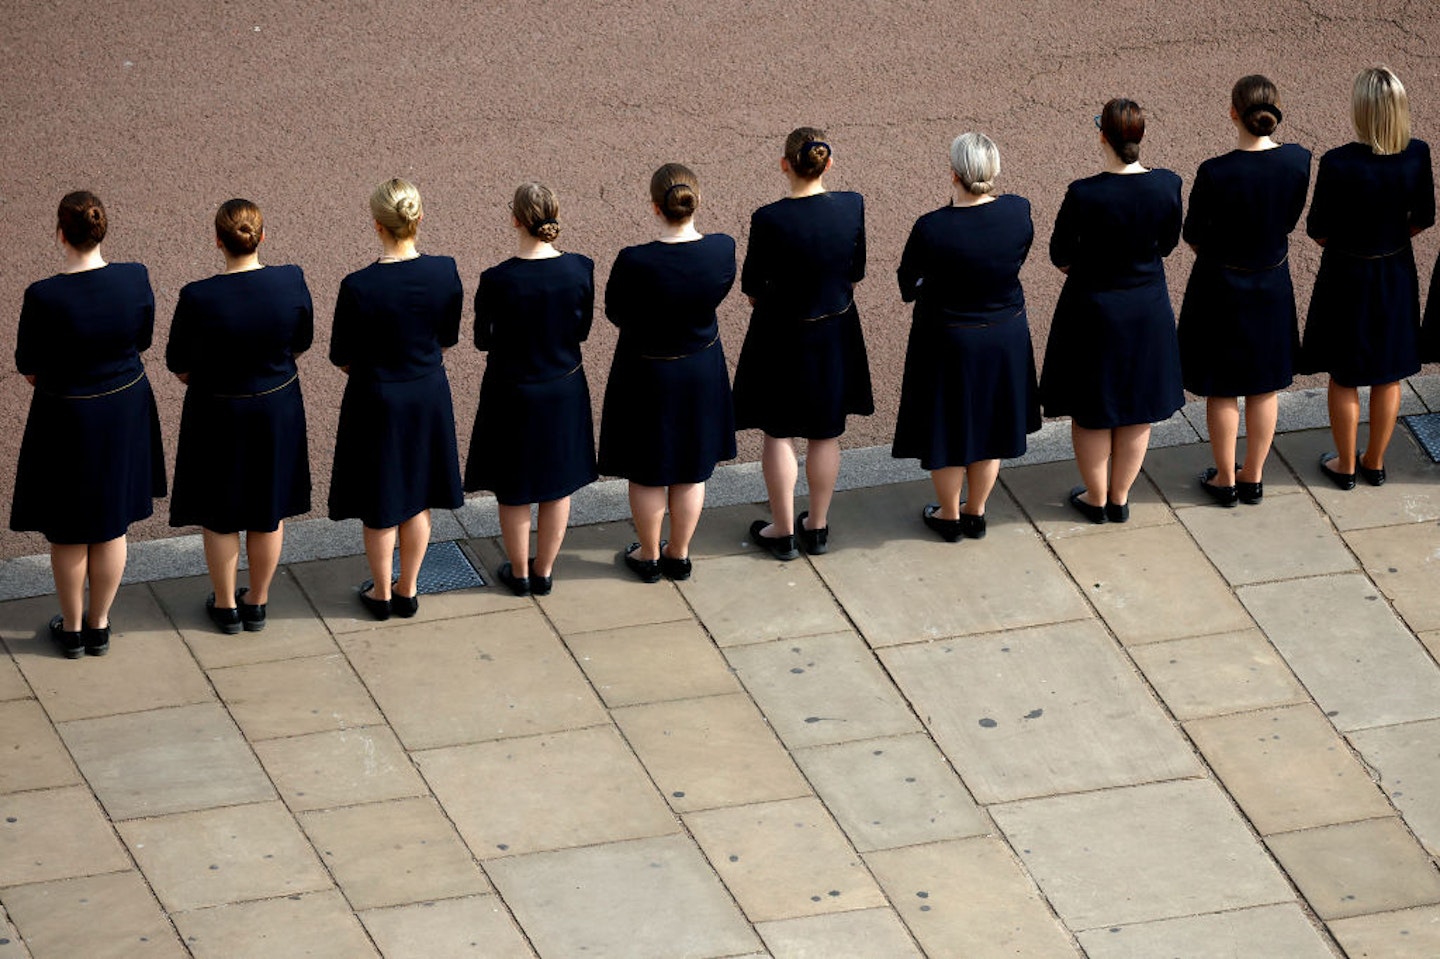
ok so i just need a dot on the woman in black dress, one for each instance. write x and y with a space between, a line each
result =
242 461
1239 332
668 418
1112 363
395 451
90 461
533 441
968 398
803 366
1371 197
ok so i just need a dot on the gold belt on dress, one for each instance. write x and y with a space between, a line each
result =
96 396
251 396
681 356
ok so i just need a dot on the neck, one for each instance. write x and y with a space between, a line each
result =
799 187
964 197
534 248
398 249
679 232
77 262
1250 142
241 263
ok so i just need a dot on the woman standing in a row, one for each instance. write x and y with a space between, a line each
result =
90 460
668 417
1112 363
968 398
242 462
1239 332
1371 197
533 441
395 449
803 368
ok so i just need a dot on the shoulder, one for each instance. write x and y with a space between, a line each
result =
769 213
577 263
1164 179
1293 152
440 264
1013 204
130 275
721 243
498 272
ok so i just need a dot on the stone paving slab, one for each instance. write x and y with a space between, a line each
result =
652 663
113 916
969 899
1407 934
1404 561
863 934
1346 646
292 628
1358 868
468 928
1040 711
316 926
33 755
1215 675
647 899
1141 853
1176 471
1411 495
1406 758
1284 930
782 600
55 834
339 768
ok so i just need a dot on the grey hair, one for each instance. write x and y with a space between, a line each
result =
976 161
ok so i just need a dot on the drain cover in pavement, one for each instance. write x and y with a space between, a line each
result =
1426 427
446 568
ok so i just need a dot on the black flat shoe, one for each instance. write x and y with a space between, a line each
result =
1227 496
72 645
676 570
781 547
225 620
404 606
1095 514
252 615
1250 493
540 585
379 608
519 585
949 529
1345 481
1117 512
973 527
647 569
97 639
815 541
1373 477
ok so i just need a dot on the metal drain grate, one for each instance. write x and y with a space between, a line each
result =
446 568
1426 428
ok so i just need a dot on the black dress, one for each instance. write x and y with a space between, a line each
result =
1239 332
1365 310
395 452
90 461
969 390
667 417
1112 358
534 440
803 366
242 462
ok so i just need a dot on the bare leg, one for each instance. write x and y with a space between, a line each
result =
1127 455
781 468
1384 411
981 476
515 531
1222 416
1092 457
1344 404
647 509
1261 413
380 553
553 519
414 541
107 566
262 549
222 559
686 502
68 563
949 481
822 470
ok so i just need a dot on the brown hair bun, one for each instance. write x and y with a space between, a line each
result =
675 189
239 226
81 220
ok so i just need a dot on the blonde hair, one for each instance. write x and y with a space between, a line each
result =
976 161
1381 110
395 205
537 210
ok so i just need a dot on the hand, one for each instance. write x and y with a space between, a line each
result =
30 378
183 378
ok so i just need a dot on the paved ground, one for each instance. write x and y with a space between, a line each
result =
1208 733
168 108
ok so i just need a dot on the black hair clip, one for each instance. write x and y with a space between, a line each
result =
1255 108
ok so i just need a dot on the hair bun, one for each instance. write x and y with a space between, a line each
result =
94 214
407 209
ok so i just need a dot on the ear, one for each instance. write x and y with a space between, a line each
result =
829 162
954 177
784 165
219 243
1234 114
